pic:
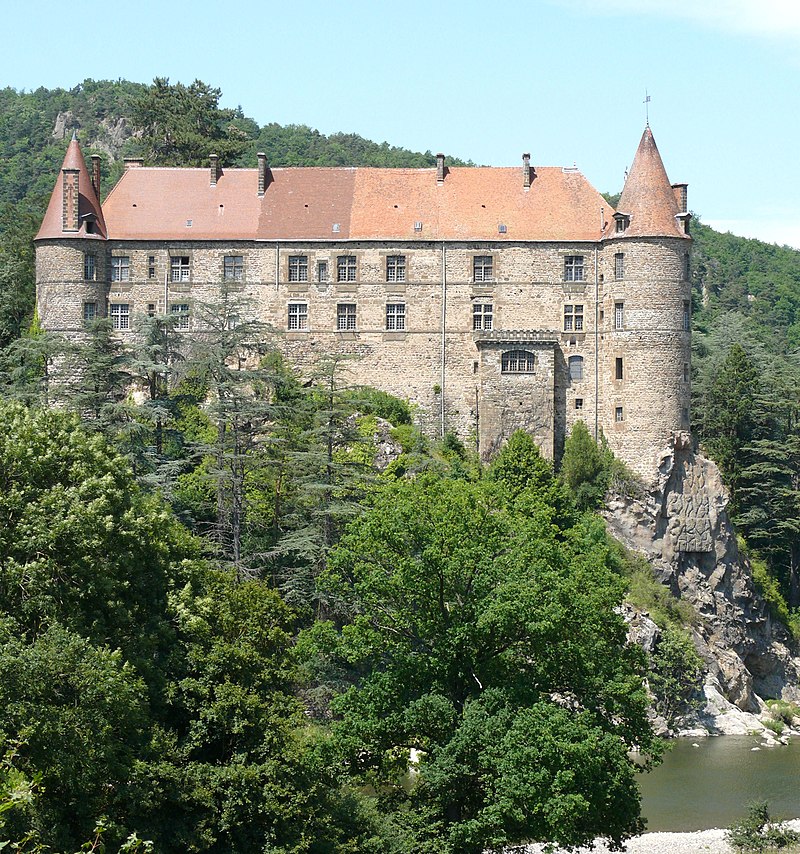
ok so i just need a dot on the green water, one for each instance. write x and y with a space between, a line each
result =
697 788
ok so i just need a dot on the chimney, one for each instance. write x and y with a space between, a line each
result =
262 173
96 175
526 171
133 163
70 220
214 158
440 169
681 196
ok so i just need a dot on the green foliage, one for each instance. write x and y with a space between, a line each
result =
584 469
775 725
781 710
676 669
646 593
758 832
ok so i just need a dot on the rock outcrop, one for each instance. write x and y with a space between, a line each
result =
680 524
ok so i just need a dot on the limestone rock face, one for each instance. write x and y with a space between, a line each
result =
682 527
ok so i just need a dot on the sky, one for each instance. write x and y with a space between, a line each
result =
562 79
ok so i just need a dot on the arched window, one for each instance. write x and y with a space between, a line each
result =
518 362
576 368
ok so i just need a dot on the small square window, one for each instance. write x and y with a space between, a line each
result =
573 318
89 267
346 268
396 268
151 309
396 316
233 268
346 316
578 403
482 315
322 271
120 313
298 315
89 311
181 312
619 315
483 268
619 266
298 268
151 266
618 368
619 415
573 268
120 268
179 268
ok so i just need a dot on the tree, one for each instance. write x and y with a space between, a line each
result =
583 468
453 603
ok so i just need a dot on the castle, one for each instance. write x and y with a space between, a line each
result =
492 298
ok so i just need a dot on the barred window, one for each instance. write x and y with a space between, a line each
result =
396 268
89 311
298 268
181 312
576 368
298 315
619 315
120 313
233 268
573 318
482 315
346 316
518 362
346 268
396 316
483 268
89 267
619 265
179 268
120 268
573 268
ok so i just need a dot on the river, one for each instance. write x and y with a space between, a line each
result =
710 785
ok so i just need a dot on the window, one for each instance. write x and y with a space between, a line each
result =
233 268
483 268
578 403
619 265
619 415
298 268
396 316
482 315
573 318
298 315
573 268
346 268
346 316
618 368
179 268
686 372
322 271
687 317
619 315
517 362
576 368
181 310
89 267
120 268
89 311
396 268
151 309
687 266
151 266
120 313
620 224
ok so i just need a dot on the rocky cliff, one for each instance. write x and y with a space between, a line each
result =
681 526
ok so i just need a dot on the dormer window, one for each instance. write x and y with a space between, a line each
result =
90 223
621 222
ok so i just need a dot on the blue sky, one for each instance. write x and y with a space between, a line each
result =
562 79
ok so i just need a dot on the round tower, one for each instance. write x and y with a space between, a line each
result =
644 381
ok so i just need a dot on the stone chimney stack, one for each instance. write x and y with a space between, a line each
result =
96 175
133 163
214 158
440 169
262 173
526 171
70 218
681 196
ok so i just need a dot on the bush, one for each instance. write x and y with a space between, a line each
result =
780 710
775 726
757 832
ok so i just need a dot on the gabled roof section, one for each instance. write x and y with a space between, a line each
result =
345 203
648 197
89 210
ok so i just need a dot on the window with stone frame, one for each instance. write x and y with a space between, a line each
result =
618 370
619 266
346 268
180 310
322 271
89 312
151 266
575 368
89 266
578 403
298 316
395 316
233 268
517 362
120 268
482 315
179 266
573 268
619 414
298 268
619 315
120 314
483 268
687 316
346 317
573 318
395 268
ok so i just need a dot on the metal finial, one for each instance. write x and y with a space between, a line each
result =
646 107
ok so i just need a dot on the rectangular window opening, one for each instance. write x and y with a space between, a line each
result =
396 268
233 268
298 268
322 271
346 316
573 318
482 315
619 265
179 268
483 268
619 415
298 315
120 313
346 268
573 268
151 266
396 316
89 267
618 368
89 311
181 311
120 268
619 315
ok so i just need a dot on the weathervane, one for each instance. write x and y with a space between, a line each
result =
646 103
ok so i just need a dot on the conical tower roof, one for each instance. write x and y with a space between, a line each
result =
89 210
648 198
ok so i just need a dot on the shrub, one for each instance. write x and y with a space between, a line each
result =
775 726
780 710
757 832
